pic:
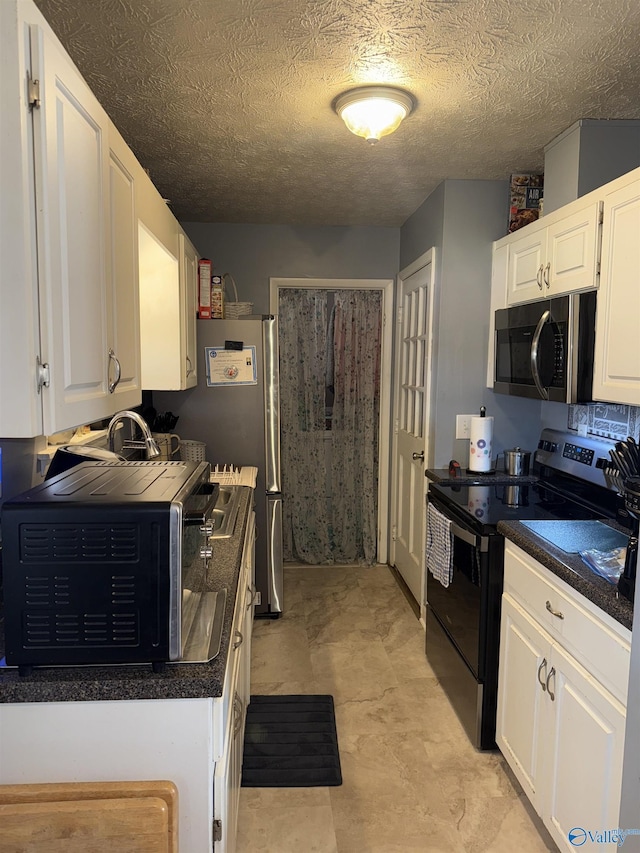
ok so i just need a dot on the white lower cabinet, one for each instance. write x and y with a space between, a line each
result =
195 743
231 710
560 729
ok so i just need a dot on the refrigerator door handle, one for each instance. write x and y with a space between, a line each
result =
272 405
274 553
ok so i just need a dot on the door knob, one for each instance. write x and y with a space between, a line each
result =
418 455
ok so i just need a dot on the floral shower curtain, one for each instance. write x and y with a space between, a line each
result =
344 355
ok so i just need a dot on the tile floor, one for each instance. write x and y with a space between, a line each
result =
411 779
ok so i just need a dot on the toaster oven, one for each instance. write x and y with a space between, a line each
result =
106 563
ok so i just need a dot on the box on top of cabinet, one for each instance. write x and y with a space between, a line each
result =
525 195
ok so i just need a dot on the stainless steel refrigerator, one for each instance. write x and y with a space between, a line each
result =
235 410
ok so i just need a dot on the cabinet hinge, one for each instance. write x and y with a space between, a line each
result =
43 376
601 213
258 598
217 830
597 267
399 320
33 92
394 532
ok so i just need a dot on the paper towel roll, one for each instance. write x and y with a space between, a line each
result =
481 435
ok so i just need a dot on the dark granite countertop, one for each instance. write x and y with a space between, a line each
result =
439 475
178 681
572 570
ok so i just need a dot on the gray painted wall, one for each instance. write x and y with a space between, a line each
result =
254 253
461 219
587 155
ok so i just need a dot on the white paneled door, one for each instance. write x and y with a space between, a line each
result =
412 420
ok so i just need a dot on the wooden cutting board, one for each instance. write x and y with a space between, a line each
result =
84 817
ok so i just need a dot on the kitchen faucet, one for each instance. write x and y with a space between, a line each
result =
147 444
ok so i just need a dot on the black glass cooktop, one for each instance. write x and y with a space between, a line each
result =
509 501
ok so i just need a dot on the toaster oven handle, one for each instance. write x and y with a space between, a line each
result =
534 356
200 517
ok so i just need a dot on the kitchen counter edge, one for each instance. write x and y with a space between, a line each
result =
132 682
571 569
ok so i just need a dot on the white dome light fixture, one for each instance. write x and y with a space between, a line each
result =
374 111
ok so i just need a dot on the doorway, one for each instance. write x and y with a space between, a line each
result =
335 351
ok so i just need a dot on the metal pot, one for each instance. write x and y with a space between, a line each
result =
516 462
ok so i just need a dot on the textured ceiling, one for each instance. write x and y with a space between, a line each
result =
228 102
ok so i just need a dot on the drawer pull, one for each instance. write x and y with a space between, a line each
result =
554 612
552 674
238 709
239 641
542 681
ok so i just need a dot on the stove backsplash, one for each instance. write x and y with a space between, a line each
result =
606 420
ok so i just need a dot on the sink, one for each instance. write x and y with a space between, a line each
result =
203 621
575 536
225 512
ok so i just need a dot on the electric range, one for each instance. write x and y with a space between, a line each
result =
569 482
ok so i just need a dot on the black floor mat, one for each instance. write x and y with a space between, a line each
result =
291 742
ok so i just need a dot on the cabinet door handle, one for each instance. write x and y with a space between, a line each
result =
539 276
113 385
542 681
547 274
237 712
552 674
553 612
240 641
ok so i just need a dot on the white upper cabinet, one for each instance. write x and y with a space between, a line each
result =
617 351
168 266
189 302
555 255
67 332
124 331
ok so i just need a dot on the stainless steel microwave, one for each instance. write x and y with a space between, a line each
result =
544 349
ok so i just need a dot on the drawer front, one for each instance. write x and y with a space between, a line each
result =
590 636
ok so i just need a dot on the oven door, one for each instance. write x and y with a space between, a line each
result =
461 607
463 625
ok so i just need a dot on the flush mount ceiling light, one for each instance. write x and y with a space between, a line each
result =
373 111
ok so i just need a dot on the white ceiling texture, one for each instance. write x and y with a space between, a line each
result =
228 103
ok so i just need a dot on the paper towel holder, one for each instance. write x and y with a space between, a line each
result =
481 445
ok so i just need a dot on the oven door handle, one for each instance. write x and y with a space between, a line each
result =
534 355
481 542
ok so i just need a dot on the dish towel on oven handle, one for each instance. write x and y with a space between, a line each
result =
439 547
